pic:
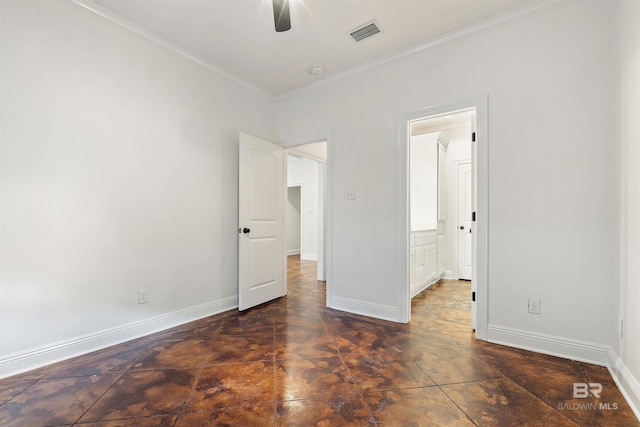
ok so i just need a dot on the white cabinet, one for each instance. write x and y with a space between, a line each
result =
423 259
442 251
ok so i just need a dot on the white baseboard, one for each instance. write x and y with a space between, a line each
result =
582 351
293 252
309 257
448 274
16 363
416 290
550 344
629 385
379 311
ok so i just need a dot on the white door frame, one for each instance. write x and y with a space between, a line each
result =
481 226
327 170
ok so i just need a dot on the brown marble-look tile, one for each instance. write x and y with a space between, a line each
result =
54 401
292 361
418 338
144 394
204 329
457 315
242 348
360 338
233 385
34 374
154 421
10 387
305 344
251 321
514 362
248 416
385 369
296 321
556 390
174 354
348 410
116 359
615 409
319 377
503 403
429 407
448 365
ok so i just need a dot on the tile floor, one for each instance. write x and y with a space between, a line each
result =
294 362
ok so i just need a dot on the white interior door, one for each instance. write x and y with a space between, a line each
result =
465 191
260 221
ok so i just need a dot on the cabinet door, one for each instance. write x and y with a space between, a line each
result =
431 261
441 254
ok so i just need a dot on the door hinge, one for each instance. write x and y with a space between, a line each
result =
473 216
473 137
473 296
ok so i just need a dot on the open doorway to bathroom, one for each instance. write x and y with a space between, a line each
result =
441 204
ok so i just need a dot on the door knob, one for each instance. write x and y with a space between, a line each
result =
246 230
461 227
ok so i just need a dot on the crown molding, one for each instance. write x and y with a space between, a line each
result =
94 10
519 14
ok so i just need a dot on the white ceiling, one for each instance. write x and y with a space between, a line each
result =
238 37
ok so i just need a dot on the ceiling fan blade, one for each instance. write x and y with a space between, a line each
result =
281 15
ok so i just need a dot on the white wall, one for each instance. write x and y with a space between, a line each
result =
305 172
119 173
628 110
553 215
294 219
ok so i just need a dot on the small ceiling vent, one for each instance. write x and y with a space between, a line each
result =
365 31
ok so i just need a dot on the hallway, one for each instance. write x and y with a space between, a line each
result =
294 362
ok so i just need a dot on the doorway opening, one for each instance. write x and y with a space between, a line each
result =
305 215
443 190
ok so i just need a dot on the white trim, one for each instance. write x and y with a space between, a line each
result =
293 252
95 10
424 286
626 382
16 363
553 345
364 308
529 10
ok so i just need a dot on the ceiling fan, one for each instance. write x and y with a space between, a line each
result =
281 15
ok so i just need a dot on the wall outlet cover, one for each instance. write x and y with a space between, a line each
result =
534 306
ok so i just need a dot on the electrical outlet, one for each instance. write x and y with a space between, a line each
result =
143 297
534 306
350 195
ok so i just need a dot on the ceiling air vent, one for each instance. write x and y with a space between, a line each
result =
365 31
